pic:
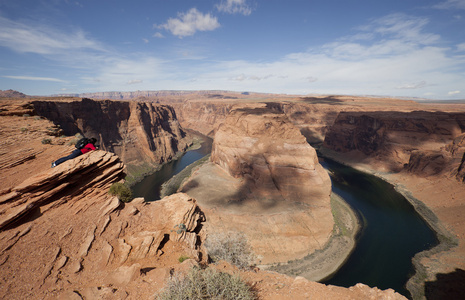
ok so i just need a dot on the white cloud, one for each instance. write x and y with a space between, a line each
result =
461 47
453 93
451 4
41 39
405 28
189 23
234 7
35 78
415 85
135 81
158 35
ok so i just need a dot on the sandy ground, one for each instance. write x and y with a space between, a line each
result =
323 263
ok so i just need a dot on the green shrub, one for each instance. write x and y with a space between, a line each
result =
183 258
231 247
121 191
23 129
46 141
76 138
206 284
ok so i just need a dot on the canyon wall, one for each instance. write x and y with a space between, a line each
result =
423 143
140 133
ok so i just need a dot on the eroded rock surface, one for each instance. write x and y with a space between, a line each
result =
262 147
264 173
140 133
424 143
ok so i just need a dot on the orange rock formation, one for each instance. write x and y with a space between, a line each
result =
263 172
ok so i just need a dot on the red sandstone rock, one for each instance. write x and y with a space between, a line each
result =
264 173
265 149
138 132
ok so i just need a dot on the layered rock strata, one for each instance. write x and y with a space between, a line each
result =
63 235
424 143
264 173
262 147
72 179
138 132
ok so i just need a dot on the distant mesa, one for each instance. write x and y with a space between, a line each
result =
12 94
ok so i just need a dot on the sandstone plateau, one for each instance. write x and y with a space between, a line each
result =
62 236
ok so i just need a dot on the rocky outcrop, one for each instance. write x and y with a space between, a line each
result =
138 132
261 146
264 173
63 236
415 140
73 179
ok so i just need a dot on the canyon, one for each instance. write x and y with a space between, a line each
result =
143 134
417 147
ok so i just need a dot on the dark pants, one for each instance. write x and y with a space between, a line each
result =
75 154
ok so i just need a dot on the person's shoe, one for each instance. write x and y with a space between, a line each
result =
53 165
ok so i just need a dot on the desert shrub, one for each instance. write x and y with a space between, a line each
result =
23 129
206 284
183 258
76 138
121 191
46 141
231 247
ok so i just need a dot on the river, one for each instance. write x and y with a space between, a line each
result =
392 232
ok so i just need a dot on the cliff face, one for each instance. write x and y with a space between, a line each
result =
204 117
139 132
262 146
424 143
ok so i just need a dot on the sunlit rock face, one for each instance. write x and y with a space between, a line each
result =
262 146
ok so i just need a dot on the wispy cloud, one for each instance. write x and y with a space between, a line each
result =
187 24
451 4
234 7
41 39
135 81
35 78
461 47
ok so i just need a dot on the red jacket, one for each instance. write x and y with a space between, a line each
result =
87 148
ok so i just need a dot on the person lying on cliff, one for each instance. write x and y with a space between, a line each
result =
86 146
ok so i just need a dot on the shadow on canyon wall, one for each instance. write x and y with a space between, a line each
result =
421 142
446 286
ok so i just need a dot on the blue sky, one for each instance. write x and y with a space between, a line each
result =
405 48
